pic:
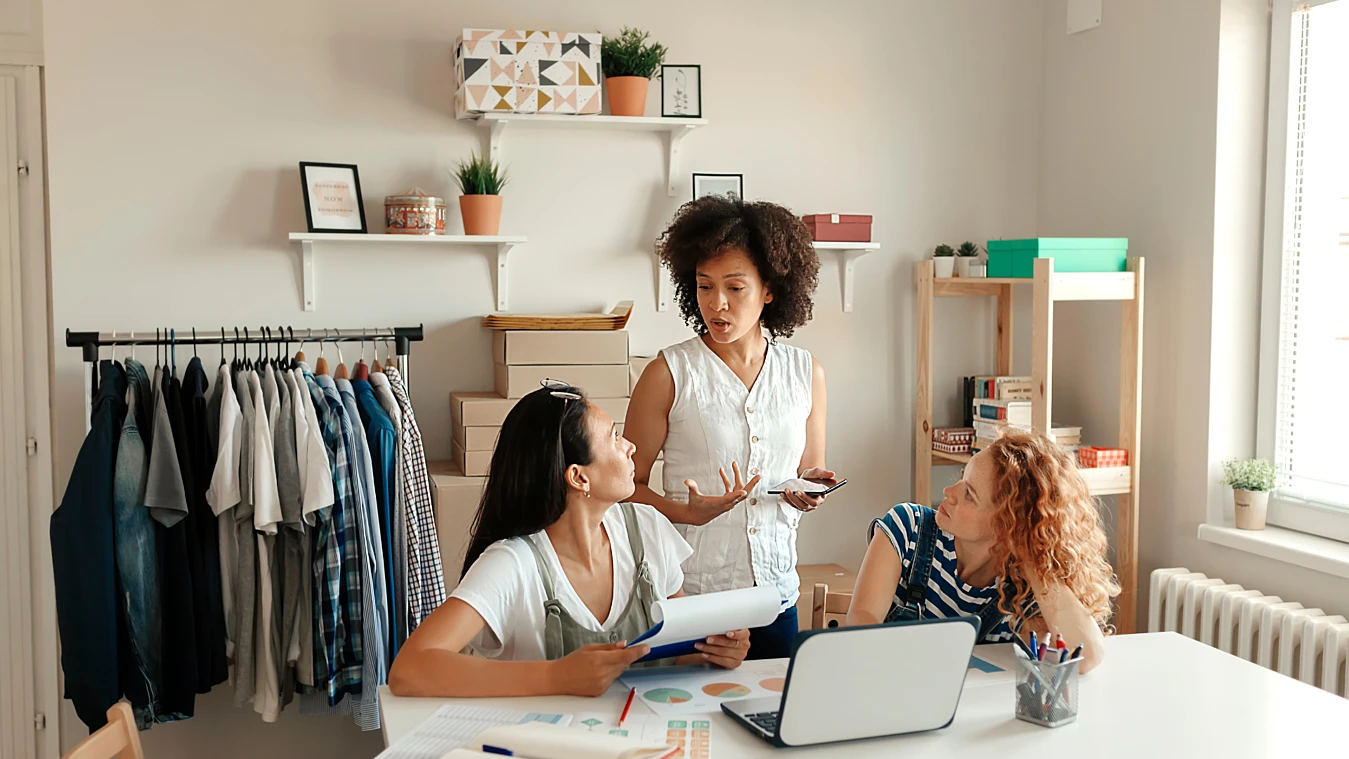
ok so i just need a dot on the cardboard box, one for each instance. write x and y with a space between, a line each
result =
839 227
526 71
489 409
471 463
485 438
456 500
607 381
637 365
559 347
836 577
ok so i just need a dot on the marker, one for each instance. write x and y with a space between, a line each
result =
1063 653
1040 652
1034 646
486 749
1076 652
626 707
1062 644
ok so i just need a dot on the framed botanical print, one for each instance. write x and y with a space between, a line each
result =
332 197
681 91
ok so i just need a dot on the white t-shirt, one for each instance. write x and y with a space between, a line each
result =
504 585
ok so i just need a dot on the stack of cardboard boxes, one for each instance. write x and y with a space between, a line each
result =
595 361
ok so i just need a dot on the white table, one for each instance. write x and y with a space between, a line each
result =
1156 695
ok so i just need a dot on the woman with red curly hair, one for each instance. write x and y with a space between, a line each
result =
1017 542
734 407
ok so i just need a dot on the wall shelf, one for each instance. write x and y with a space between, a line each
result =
851 251
311 241
1048 288
675 131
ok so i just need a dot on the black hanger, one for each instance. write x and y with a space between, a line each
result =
248 362
234 365
173 352
194 342
222 346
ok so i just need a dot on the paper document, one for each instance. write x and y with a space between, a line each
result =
701 688
681 622
694 734
451 727
538 741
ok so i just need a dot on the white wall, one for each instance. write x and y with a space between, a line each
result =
1153 129
175 129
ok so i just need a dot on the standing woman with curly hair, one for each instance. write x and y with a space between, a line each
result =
1016 542
732 399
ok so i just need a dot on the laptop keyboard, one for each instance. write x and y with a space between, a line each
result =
767 721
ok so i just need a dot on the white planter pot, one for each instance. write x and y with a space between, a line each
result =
945 265
963 266
1251 507
978 269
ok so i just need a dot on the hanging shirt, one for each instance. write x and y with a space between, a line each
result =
266 517
288 556
398 537
337 560
223 495
716 420
182 640
382 440
203 533
83 566
246 573
426 583
316 488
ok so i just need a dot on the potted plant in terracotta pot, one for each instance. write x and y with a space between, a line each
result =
944 258
629 63
480 180
1250 480
966 254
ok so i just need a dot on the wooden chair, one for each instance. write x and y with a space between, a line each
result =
827 609
117 739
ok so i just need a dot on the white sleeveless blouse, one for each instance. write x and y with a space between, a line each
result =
715 420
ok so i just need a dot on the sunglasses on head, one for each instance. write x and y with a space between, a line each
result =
559 389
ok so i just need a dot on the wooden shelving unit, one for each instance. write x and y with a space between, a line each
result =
1048 289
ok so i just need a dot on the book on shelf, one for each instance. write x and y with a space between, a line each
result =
1014 412
1005 388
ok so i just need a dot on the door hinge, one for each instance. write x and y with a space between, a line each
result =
32 446
23 168
40 721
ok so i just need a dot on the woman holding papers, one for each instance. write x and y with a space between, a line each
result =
733 399
1016 542
559 575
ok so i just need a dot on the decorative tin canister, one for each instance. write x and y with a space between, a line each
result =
413 212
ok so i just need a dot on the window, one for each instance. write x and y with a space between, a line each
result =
1304 352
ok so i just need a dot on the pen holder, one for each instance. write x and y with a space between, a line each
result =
1046 692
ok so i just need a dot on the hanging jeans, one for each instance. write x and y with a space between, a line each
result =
137 569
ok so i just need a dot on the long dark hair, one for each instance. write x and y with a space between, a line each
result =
527 483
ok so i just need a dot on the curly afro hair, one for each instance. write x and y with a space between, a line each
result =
776 241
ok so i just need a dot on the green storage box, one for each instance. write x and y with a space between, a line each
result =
1016 258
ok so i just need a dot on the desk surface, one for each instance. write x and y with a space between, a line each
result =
1156 695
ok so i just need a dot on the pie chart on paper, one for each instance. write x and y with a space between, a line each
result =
667 696
726 690
775 684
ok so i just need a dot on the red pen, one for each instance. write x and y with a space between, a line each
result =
1040 655
626 707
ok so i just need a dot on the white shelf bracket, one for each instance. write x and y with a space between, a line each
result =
849 270
664 290
676 136
495 139
307 275
502 273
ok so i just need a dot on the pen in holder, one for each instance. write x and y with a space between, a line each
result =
1046 691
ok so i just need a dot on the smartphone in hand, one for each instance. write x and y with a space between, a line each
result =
812 486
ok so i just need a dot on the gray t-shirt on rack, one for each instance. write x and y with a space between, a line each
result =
165 495
245 574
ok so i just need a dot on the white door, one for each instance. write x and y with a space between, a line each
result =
28 679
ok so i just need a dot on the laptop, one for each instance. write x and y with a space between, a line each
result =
848 683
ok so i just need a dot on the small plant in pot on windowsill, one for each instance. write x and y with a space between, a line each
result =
480 180
943 256
1250 480
629 63
966 254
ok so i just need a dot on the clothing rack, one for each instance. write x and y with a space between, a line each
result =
90 342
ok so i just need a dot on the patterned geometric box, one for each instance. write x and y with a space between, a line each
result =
527 71
1095 457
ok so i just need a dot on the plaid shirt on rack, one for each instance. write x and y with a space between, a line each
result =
426 580
337 568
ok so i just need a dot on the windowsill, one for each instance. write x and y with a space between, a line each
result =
1297 548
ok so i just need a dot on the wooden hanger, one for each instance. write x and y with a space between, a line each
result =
321 366
341 372
362 370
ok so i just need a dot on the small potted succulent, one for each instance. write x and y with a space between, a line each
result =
629 63
966 254
480 180
1250 480
943 256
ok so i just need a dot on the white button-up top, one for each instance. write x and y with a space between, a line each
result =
715 420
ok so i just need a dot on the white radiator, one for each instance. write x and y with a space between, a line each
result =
1307 644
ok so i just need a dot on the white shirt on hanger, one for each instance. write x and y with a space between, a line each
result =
223 493
504 585
266 516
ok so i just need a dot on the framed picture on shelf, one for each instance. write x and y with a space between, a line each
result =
681 91
332 197
730 185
